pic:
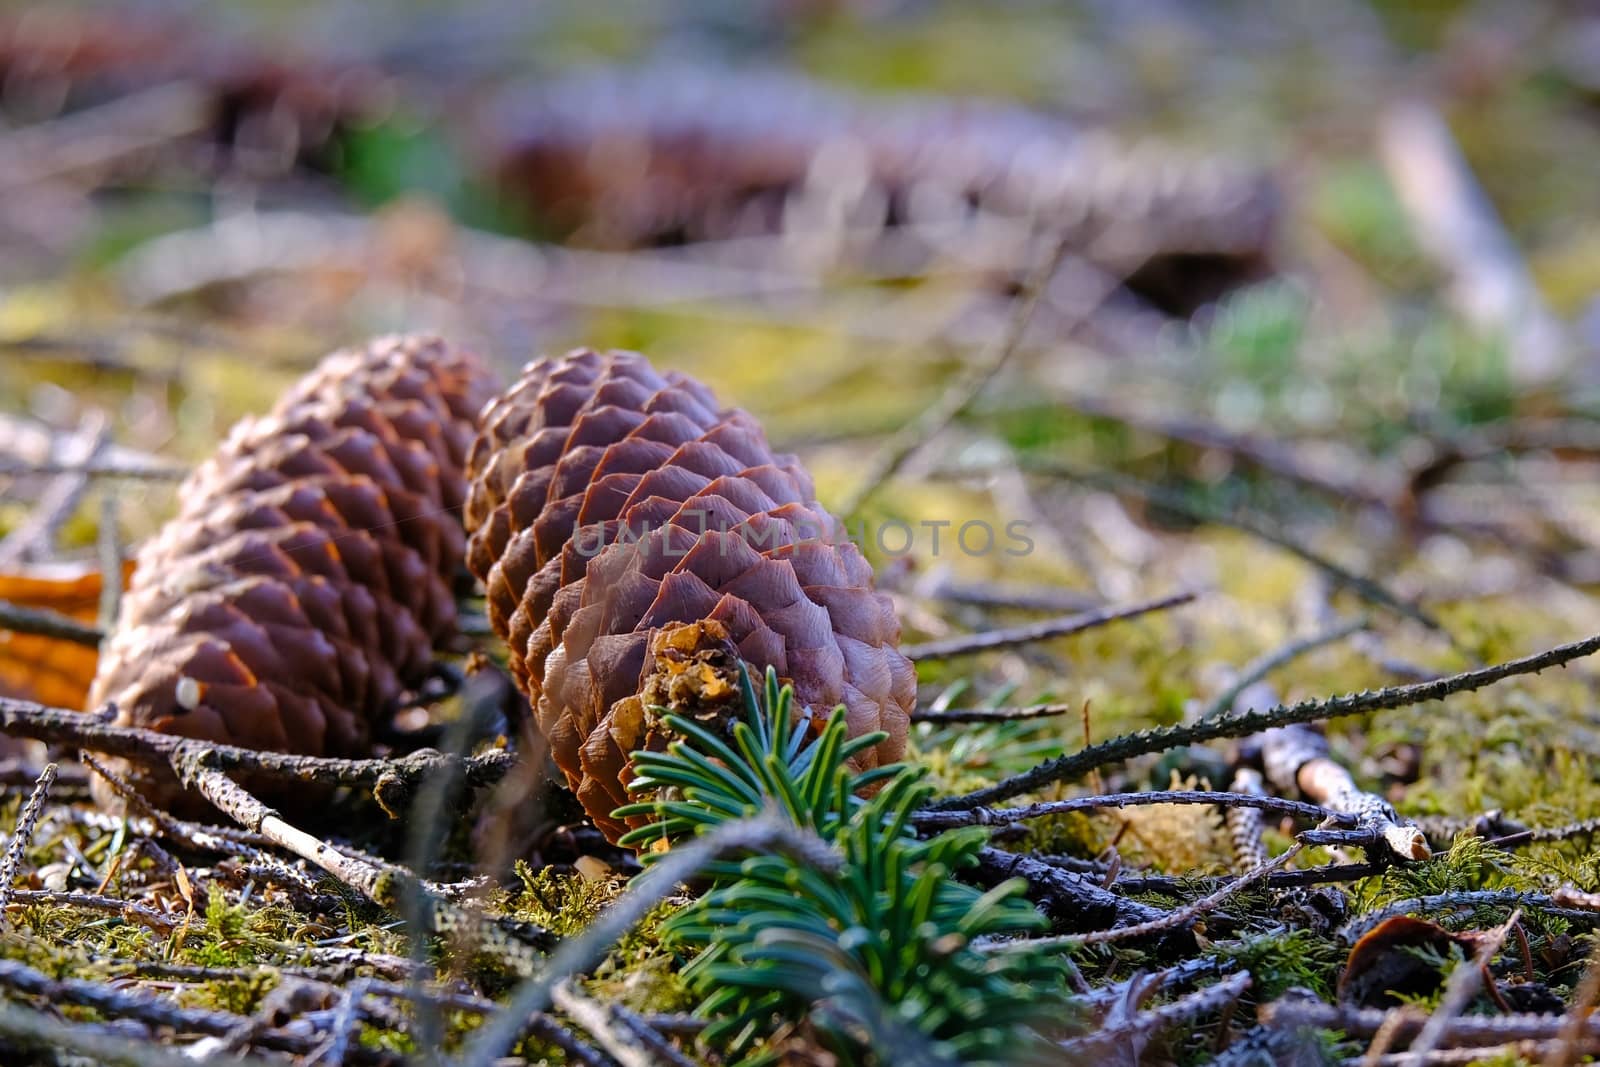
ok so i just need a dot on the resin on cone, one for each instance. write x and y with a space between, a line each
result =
611 503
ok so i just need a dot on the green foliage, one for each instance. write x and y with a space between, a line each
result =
879 955
1280 962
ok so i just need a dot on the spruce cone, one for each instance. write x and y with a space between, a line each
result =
609 502
662 155
307 577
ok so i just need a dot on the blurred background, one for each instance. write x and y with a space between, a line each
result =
1292 302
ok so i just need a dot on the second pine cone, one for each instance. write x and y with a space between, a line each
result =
608 502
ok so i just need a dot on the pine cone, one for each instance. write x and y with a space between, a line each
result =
307 577
661 155
609 502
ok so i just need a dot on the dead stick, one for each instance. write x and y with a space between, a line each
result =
391 779
42 622
26 821
1044 630
942 820
1251 722
960 395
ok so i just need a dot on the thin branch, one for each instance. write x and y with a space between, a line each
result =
1296 756
597 1019
1044 630
1183 1010
1470 1030
1369 589
1243 724
1071 900
147 917
1258 669
146 472
46 1034
1016 714
1462 986
392 780
1181 917
108 546
156 1011
964 390
577 954
42 622
60 498
981 816
1538 903
26 821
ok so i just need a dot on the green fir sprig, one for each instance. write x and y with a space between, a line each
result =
878 959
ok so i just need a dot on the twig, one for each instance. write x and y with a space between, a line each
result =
1070 900
92 470
964 390
42 622
99 136
108 545
155 1011
966 644
147 917
579 953
242 846
646 1030
944 819
1540 903
1456 224
26 821
1298 756
596 1018
56 503
1016 714
1580 828
1304 876
1461 987
1368 589
1179 917
1243 724
1258 669
38 1031
1245 824
1183 1010
392 780
1469 1030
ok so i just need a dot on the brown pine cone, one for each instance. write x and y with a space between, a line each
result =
610 501
307 577
645 156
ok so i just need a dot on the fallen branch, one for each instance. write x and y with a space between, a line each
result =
1463 1030
956 399
1069 899
1296 756
1258 669
1243 724
980 816
1016 714
127 909
26 821
1045 630
577 954
392 780
42 622
1185 1010
1178 918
